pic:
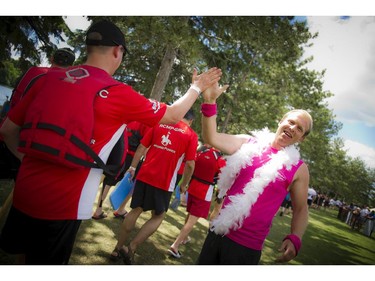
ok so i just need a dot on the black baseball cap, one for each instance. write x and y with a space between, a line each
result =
64 57
105 33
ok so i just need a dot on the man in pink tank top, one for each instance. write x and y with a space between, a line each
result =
261 169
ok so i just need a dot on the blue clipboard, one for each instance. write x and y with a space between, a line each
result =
121 191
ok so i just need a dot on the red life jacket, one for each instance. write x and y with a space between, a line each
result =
59 122
25 83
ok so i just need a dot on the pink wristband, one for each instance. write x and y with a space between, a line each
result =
208 109
295 240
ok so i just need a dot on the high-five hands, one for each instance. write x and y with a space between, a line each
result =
213 92
206 79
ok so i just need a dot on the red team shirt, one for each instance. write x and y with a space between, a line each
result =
168 146
57 192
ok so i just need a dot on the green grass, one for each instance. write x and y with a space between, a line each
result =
327 241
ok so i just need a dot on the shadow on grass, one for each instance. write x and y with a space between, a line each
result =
96 240
327 241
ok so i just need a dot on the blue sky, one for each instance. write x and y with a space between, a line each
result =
345 48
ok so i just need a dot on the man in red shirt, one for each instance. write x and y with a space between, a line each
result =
135 133
63 57
207 167
168 146
51 199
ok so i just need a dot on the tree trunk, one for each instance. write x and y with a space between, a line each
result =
226 121
163 73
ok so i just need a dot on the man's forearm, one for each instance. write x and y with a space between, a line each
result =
300 221
186 177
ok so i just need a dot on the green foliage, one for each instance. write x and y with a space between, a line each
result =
30 37
9 72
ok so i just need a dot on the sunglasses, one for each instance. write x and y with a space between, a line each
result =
122 47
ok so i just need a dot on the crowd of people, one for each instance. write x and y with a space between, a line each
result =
359 218
57 184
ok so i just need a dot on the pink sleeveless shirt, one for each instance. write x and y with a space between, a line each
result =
257 225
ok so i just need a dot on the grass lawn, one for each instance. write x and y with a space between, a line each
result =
327 241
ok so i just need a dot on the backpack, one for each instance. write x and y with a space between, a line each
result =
59 122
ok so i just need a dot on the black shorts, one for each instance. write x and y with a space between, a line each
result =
44 242
286 204
309 202
150 198
220 250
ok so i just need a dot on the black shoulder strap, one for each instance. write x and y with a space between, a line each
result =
31 83
98 162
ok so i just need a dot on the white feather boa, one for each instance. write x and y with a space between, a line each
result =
233 215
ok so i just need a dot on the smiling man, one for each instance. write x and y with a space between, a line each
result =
260 171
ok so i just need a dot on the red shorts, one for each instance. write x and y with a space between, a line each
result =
198 207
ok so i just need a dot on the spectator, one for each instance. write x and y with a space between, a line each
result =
320 200
286 205
167 146
310 197
369 224
363 214
51 199
355 217
350 208
4 109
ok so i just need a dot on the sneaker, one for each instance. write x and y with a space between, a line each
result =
175 254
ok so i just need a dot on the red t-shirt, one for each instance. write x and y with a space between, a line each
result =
168 146
48 191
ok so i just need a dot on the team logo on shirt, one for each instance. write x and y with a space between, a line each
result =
72 75
165 139
155 105
103 94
